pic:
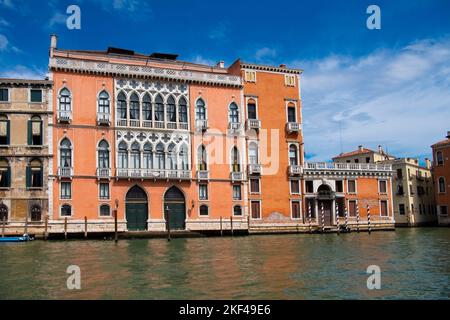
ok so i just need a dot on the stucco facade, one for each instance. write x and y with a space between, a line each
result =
441 174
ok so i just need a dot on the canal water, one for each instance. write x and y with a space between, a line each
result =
414 263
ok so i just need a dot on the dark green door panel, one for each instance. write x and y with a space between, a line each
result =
177 215
137 216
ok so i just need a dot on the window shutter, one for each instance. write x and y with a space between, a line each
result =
42 177
8 177
41 132
28 177
30 132
7 132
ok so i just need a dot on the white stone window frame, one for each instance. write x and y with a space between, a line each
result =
260 210
207 192
70 96
299 186
100 210
287 83
247 99
72 211
42 96
287 104
379 186
299 201
109 100
356 186
246 77
203 215
297 145
387 207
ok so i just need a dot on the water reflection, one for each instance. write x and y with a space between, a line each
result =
415 263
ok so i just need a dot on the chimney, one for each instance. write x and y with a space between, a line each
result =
360 148
427 163
380 149
282 65
53 41
221 64
448 134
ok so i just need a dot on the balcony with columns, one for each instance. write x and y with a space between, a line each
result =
253 124
64 116
65 172
201 125
333 168
295 170
254 168
103 118
167 174
152 124
293 127
103 173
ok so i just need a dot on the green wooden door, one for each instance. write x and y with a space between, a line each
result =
177 215
136 216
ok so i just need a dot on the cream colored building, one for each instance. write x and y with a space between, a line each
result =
414 203
25 106
413 198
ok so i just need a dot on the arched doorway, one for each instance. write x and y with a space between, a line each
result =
136 209
175 204
325 198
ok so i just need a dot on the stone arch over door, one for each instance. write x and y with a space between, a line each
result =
136 209
175 207
325 204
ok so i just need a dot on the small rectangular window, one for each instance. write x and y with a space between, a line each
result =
35 95
254 186
104 191
203 191
5 179
237 192
295 207
401 209
4 132
4 95
443 210
399 174
256 209
66 190
384 208
439 158
383 186
291 114
367 160
295 186
250 76
351 185
289 80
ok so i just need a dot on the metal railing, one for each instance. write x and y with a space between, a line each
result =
103 173
65 172
347 166
254 168
201 125
295 169
253 124
64 115
293 127
237 176
103 118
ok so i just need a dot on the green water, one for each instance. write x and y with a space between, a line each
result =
415 263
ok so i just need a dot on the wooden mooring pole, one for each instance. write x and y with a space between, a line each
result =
26 225
231 225
337 219
168 222
221 227
85 227
357 217
115 227
309 217
46 227
368 218
65 228
3 226
323 217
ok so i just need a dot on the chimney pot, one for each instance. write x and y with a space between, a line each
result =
221 64
282 65
53 41
360 148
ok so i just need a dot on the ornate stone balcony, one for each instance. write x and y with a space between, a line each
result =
149 124
292 127
234 125
334 168
103 173
65 172
254 168
64 115
237 176
153 174
103 118
295 170
202 175
253 124
201 125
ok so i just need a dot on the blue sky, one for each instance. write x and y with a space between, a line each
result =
388 86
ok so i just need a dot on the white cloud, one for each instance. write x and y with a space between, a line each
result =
201 60
23 72
4 23
57 18
397 98
7 3
3 42
265 54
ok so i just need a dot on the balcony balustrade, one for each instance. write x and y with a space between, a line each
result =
64 115
201 125
295 170
237 176
103 118
153 174
292 127
202 175
149 124
254 168
65 172
103 173
234 125
253 124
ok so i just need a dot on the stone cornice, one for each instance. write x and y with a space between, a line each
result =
146 72
261 67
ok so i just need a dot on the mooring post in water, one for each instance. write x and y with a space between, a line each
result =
85 227
65 228
368 218
3 226
248 223
26 224
231 225
45 227
337 219
357 217
346 219
323 217
221 228
115 226
168 223
309 217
